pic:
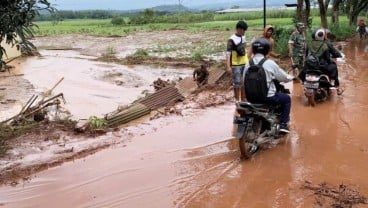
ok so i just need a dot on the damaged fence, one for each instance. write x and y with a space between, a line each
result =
36 107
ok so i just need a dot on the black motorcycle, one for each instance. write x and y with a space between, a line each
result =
316 86
257 124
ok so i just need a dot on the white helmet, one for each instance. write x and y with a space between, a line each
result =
319 34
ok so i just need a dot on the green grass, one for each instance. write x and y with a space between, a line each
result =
105 28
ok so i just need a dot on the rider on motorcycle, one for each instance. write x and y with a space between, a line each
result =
325 51
260 48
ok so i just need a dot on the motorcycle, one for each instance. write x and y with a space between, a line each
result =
257 124
316 86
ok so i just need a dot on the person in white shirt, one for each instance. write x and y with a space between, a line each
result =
273 72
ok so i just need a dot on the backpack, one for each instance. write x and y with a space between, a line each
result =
255 82
362 28
312 60
239 48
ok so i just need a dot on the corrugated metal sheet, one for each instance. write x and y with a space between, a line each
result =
215 75
162 98
133 112
187 85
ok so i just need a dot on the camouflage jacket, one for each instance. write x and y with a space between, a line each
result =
299 43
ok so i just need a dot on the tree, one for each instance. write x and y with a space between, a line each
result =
354 8
303 13
17 22
323 6
335 12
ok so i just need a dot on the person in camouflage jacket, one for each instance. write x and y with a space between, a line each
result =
297 48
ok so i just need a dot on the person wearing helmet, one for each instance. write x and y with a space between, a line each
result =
236 58
267 33
325 51
297 47
261 48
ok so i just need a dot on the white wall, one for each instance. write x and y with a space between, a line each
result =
11 52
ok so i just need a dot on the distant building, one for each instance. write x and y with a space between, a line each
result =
250 9
314 5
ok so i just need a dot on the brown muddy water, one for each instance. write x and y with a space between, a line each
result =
89 87
193 161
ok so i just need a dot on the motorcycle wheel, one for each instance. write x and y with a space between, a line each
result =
311 100
251 134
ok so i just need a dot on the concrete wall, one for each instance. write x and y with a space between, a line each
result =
10 51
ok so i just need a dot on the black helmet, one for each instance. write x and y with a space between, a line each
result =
242 25
319 34
261 45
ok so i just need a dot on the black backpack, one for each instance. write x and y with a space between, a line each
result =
362 28
312 60
255 82
239 48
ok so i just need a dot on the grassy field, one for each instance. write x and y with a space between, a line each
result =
105 28
285 26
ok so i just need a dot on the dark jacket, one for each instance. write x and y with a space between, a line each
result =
325 51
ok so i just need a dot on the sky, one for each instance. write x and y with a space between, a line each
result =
142 4
127 4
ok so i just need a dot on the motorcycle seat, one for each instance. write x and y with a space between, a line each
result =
313 71
254 106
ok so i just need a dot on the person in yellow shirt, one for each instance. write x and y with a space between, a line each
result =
236 58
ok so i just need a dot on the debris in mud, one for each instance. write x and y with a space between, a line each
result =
338 197
165 112
159 84
37 111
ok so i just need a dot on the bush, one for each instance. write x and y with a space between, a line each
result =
118 21
342 31
197 56
140 53
281 36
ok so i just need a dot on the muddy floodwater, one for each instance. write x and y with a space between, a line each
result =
193 161
89 87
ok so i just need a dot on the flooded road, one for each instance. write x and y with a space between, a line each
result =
90 87
193 161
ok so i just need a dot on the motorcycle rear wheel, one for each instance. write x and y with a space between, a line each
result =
311 100
251 134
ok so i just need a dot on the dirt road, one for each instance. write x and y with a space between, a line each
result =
193 161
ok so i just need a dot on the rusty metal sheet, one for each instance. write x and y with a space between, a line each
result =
187 85
162 97
215 75
133 112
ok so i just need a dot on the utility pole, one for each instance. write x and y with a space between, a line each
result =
264 13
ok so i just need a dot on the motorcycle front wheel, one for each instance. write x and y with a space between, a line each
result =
247 141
